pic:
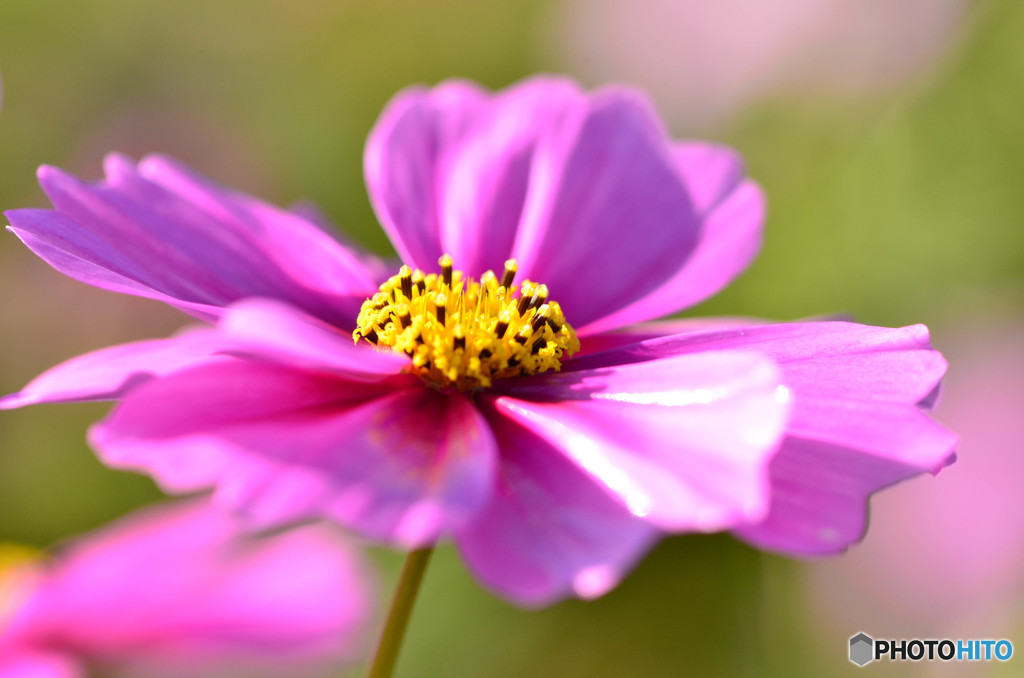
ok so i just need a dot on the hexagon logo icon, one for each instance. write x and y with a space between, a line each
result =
862 649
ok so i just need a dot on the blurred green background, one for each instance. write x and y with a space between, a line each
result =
898 207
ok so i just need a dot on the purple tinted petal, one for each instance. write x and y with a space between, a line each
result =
856 427
81 255
411 138
579 189
730 240
607 219
109 373
297 246
395 461
179 587
485 179
168 427
377 268
633 334
820 492
711 172
891 430
549 531
157 230
277 332
818 359
683 442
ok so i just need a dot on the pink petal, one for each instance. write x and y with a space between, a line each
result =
160 231
857 425
608 219
633 334
730 240
109 373
821 359
819 495
486 177
378 268
683 442
549 530
711 172
394 460
35 664
579 189
416 130
276 332
178 587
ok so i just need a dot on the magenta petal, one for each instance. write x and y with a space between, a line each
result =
607 219
109 373
302 249
857 423
549 531
580 189
819 359
377 268
820 492
486 177
711 172
35 664
683 442
157 230
730 240
395 461
414 133
179 587
276 332
835 455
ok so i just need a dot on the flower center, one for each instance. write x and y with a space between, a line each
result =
17 571
464 333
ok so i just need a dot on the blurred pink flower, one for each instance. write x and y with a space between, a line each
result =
704 61
948 557
178 590
552 473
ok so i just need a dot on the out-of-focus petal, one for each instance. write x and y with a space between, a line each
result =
549 530
34 664
608 218
856 421
180 588
161 231
393 460
378 268
109 373
683 442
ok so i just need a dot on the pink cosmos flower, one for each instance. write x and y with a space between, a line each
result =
552 472
178 590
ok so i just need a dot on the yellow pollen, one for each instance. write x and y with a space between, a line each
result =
464 333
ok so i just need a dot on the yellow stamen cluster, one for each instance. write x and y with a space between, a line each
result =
464 333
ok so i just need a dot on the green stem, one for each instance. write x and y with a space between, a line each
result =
386 655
